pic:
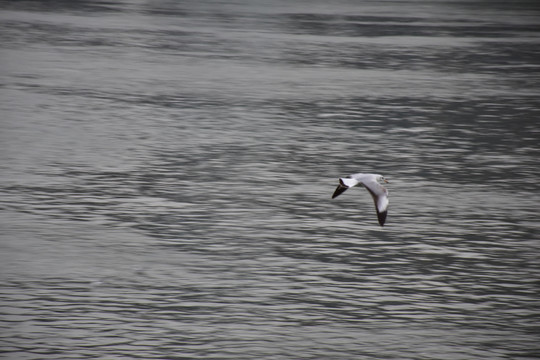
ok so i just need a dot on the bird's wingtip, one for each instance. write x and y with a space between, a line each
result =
382 217
339 190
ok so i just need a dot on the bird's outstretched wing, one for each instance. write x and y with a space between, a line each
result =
344 184
380 198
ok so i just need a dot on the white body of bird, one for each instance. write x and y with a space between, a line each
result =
371 183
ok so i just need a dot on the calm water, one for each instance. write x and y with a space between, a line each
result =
166 173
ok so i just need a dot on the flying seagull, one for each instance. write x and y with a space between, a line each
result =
371 183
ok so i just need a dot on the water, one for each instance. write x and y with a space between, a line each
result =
167 168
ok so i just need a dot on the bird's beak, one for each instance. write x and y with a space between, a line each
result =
386 181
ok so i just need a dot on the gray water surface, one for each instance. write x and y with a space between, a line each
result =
166 170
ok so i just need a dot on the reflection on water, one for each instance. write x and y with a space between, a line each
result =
167 171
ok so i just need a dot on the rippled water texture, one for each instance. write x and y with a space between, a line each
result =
167 166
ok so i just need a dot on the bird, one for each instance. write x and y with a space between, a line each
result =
371 183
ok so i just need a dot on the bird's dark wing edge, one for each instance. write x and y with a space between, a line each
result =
381 216
339 190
